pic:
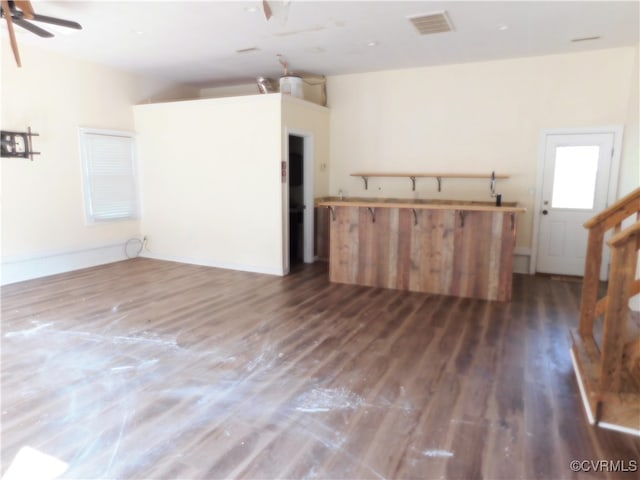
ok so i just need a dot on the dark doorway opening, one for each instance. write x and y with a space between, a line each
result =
296 199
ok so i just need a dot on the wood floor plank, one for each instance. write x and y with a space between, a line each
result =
151 369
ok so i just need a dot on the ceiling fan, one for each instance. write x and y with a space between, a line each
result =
268 11
19 12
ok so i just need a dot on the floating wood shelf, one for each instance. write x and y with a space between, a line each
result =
438 176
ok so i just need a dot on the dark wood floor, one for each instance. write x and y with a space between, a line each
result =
149 369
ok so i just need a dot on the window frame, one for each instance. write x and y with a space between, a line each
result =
83 135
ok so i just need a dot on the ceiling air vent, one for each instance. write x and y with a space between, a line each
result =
432 23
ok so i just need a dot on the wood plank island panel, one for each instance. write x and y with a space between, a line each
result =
321 229
449 252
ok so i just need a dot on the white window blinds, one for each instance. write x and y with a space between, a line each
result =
109 175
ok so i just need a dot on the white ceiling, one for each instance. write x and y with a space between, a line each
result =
196 42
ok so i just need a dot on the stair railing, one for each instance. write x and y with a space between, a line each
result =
611 218
622 286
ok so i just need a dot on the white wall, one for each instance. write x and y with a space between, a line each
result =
470 117
630 162
312 90
312 121
630 169
308 117
43 229
237 90
474 117
211 181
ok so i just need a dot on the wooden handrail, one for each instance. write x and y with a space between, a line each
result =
617 241
601 306
622 237
622 285
607 382
621 209
598 226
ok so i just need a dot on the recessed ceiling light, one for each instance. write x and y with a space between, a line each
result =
251 9
502 27
372 44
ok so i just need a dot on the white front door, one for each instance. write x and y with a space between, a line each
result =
574 188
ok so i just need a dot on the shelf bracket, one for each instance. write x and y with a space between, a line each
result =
413 182
366 181
492 184
439 179
513 221
372 211
333 212
461 213
415 217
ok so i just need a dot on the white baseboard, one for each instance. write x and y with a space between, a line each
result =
521 260
26 267
210 263
17 269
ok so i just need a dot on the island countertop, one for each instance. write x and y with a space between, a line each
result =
431 204
447 247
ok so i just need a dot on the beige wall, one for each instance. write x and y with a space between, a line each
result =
211 184
630 168
42 204
237 90
471 117
312 90
630 162
155 91
474 117
308 117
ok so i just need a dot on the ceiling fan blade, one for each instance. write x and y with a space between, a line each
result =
267 9
12 35
32 28
25 6
56 21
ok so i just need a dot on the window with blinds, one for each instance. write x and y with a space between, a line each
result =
110 184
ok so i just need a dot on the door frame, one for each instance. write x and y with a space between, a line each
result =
307 180
612 189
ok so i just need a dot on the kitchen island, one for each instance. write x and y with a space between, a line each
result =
448 247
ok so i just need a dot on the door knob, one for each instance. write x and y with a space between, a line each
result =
545 212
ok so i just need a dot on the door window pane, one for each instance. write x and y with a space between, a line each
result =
574 177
